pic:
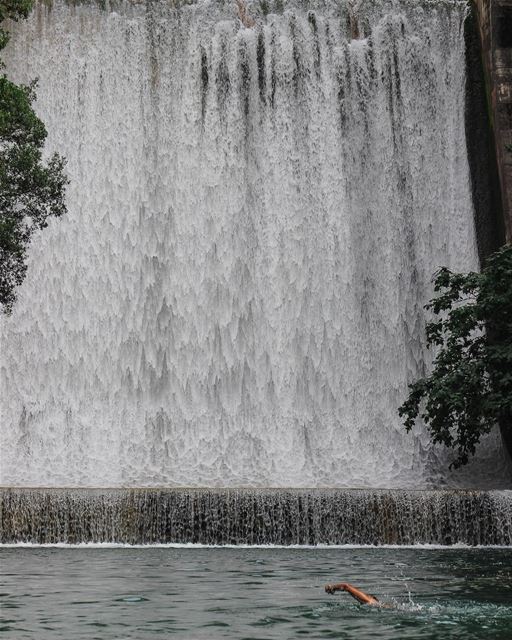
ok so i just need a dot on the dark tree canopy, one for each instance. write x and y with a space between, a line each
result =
470 388
31 190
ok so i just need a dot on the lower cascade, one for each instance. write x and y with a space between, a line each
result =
235 297
255 516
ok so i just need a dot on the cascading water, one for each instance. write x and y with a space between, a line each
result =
255 516
235 297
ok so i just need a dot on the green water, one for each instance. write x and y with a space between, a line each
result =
104 593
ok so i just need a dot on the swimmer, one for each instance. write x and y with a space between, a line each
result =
359 595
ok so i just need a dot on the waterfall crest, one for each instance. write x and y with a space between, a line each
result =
236 296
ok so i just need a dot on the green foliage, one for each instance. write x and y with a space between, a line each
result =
14 10
30 189
470 388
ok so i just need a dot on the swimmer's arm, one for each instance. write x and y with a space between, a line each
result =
360 596
332 588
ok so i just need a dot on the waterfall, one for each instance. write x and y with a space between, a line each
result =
235 297
255 516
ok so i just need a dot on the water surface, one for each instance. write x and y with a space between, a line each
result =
253 593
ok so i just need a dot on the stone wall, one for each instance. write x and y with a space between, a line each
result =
495 27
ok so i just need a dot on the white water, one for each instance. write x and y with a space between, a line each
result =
235 297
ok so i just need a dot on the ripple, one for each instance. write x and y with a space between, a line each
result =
84 590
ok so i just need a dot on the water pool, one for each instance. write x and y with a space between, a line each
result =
242 593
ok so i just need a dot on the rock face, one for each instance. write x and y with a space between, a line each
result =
495 26
485 182
494 18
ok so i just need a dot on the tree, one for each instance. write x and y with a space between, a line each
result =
13 9
30 189
470 388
